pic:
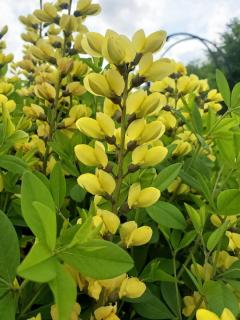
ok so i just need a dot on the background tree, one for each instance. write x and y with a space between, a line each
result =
227 58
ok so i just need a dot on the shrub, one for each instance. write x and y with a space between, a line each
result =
119 179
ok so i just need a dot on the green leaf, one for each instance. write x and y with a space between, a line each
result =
48 221
153 272
58 185
150 307
187 239
64 291
228 202
223 86
195 217
168 291
13 164
216 236
34 190
8 304
9 250
39 265
233 272
98 259
220 296
166 176
235 97
167 215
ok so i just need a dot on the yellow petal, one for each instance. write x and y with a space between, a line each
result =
145 63
155 41
140 236
86 155
90 127
159 70
135 129
139 154
115 81
106 181
155 155
126 229
132 288
152 131
203 314
90 182
100 154
134 101
138 40
110 220
227 315
97 85
106 124
148 197
92 43
133 194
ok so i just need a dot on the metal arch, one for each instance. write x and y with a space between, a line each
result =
204 41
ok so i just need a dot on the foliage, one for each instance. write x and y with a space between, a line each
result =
119 179
225 58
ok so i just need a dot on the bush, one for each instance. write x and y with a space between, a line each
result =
119 180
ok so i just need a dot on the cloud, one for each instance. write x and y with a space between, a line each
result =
204 18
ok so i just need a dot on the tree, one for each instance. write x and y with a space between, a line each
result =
226 58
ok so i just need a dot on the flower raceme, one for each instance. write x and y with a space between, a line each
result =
203 314
142 198
97 184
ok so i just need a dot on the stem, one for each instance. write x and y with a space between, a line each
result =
28 306
176 285
121 151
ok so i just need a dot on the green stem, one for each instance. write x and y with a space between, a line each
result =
176 285
121 151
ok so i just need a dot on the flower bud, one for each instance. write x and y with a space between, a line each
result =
182 148
92 43
34 111
86 8
117 49
132 288
75 89
68 23
65 65
48 14
45 91
3 31
110 220
205 272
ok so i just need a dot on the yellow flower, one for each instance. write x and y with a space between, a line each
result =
92 43
43 129
168 119
34 111
131 235
106 313
144 156
156 70
190 303
224 259
100 128
85 8
97 184
68 23
234 240
203 314
75 88
110 84
178 187
182 148
109 219
143 132
113 284
76 310
94 288
204 272
187 84
142 104
142 198
42 50
92 156
48 14
111 108
117 49
162 85
45 91
132 288
151 43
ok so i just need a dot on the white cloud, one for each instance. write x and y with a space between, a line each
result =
204 18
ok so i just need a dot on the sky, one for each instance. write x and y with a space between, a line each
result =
205 18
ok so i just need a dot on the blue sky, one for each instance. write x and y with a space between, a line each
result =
206 18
